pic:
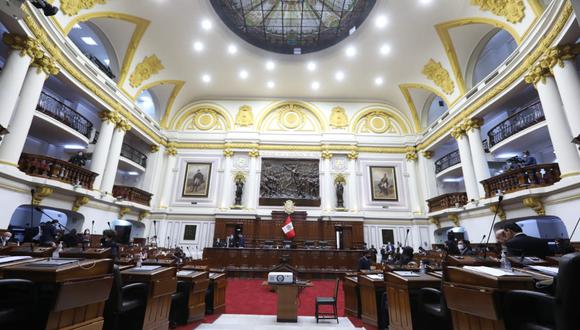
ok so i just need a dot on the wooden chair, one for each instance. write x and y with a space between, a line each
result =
333 301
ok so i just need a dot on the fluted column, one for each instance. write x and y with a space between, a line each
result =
165 196
327 185
472 128
227 182
109 121
24 51
560 60
414 191
112 163
154 160
351 185
253 195
427 174
13 143
469 177
560 134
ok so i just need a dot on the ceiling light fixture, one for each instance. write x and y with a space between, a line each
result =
270 84
311 66
378 81
339 76
244 74
381 21
89 41
206 24
385 49
232 49
198 46
425 2
350 51
315 85
270 65
206 78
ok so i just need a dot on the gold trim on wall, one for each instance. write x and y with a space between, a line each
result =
306 105
405 127
182 115
405 90
177 86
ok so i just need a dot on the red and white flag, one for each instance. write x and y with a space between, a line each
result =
288 228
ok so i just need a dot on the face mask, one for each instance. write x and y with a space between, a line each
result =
460 246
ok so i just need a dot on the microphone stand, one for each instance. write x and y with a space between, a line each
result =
155 231
32 192
406 237
573 231
93 227
51 218
481 242
499 198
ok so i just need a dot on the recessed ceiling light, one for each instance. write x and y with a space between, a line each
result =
425 2
381 21
232 49
315 85
385 49
271 84
206 78
244 74
350 51
206 24
339 75
77 26
133 173
378 81
270 65
107 61
198 46
311 66
89 41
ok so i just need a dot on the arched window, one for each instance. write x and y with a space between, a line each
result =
493 49
433 109
93 42
148 103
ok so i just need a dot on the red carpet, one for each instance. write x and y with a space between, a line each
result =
248 296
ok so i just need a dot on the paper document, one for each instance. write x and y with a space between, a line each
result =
490 271
376 276
145 268
552 271
4 260
406 273
53 262
184 272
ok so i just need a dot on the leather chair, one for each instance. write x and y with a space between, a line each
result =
523 310
433 304
125 308
179 304
18 299
332 301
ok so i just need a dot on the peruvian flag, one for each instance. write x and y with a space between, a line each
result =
288 228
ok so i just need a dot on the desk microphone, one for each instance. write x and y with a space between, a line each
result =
573 231
481 242
188 250
93 227
406 237
499 199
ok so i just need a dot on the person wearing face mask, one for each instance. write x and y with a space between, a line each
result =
464 248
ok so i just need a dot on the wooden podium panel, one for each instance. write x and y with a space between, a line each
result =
161 283
160 262
3 265
472 261
37 252
371 292
402 295
217 299
88 253
78 292
287 303
199 282
474 298
351 296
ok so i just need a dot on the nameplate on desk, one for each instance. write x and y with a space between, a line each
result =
491 271
552 271
4 260
376 277
406 273
144 268
53 262
184 272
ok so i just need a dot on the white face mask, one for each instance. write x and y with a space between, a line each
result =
461 246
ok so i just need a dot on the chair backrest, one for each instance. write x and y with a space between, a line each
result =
336 289
568 292
114 302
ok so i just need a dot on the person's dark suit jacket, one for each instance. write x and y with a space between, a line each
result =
527 246
364 263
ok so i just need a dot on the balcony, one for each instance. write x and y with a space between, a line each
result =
447 161
527 177
56 169
102 66
134 155
446 201
54 108
528 117
132 194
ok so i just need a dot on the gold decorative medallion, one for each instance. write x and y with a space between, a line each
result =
379 122
204 119
340 178
512 10
435 72
338 118
245 117
291 117
149 66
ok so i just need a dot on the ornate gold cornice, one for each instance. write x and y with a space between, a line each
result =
352 155
41 193
27 46
557 55
150 65
254 153
124 125
244 117
458 132
72 7
500 211
123 210
537 73
512 10
435 221
171 149
228 153
46 64
153 148
326 154
535 204
473 123
411 154
427 154
454 218
142 215
110 116
435 72
79 201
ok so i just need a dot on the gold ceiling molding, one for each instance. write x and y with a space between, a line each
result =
405 90
338 118
204 117
351 151
72 7
245 117
177 86
518 72
435 72
25 45
150 66
513 11
291 115
379 120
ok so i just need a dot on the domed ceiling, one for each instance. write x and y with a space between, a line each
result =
293 26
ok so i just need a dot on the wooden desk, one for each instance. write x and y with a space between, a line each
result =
403 300
459 261
199 282
216 302
351 296
73 295
88 253
37 252
161 283
6 249
160 262
371 294
286 302
474 298
26 260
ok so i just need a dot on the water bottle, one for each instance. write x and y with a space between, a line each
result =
422 268
505 262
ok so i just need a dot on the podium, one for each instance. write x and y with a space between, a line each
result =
403 298
472 261
474 298
198 282
7 261
371 293
36 252
160 262
88 253
73 292
162 283
351 296
286 302
216 302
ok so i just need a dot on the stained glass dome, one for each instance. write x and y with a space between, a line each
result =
293 26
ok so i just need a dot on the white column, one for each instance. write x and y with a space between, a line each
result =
227 182
253 194
153 169
327 184
13 143
472 128
566 152
109 120
165 189
466 164
13 74
351 184
112 164
427 174
414 192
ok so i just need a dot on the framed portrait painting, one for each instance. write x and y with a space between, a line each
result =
197 179
383 183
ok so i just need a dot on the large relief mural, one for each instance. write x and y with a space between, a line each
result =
295 179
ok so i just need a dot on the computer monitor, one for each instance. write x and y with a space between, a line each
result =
287 244
309 244
323 244
269 244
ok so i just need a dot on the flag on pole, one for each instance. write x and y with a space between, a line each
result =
288 228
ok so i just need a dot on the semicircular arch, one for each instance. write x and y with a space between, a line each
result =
380 119
291 116
202 117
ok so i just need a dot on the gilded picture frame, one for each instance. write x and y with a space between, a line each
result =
196 180
383 181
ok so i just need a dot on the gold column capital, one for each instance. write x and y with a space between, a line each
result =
25 45
352 155
411 154
457 132
472 123
557 55
110 116
45 64
153 148
171 149
124 125
537 73
228 153
427 154
254 153
326 154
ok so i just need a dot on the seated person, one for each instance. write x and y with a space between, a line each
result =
71 239
464 248
451 244
48 234
109 240
7 238
364 263
520 244
529 160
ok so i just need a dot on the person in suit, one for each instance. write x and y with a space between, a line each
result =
364 263
48 234
520 244
465 248
109 240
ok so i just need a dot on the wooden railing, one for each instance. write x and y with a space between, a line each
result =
446 201
447 161
64 114
132 194
516 123
527 177
134 155
56 169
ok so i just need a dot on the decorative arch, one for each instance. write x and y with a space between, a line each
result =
445 37
177 86
141 25
291 116
379 119
405 90
201 117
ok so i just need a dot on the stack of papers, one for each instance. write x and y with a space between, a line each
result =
490 271
145 268
552 271
406 273
54 262
376 276
184 272
4 260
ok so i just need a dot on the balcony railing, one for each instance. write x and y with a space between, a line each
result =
447 161
522 178
102 66
446 201
61 112
134 155
132 194
516 123
56 169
